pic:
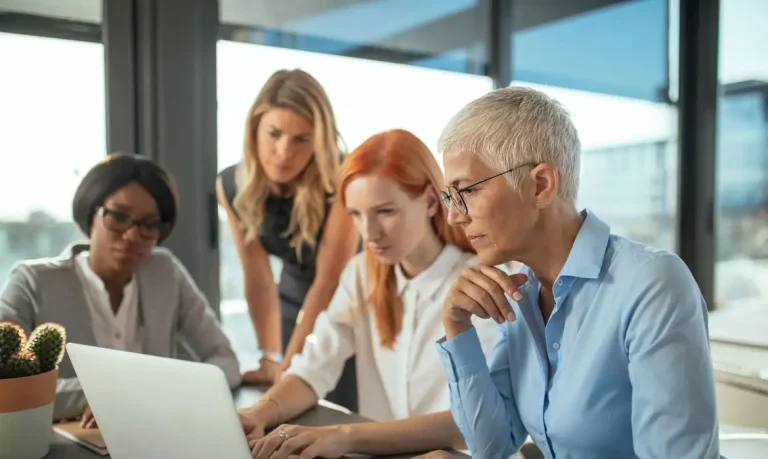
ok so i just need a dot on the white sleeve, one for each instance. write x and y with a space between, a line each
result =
332 341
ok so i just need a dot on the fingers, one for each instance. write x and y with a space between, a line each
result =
509 283
293 445
86 417
487 293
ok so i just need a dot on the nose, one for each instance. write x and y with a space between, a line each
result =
371 230
132 234
454 217
283 147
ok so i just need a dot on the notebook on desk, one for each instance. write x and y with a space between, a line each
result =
87 438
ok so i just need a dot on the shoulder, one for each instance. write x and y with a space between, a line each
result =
227 179
657 283
162 260
646 266
41 268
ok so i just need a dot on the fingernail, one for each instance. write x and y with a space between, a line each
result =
511 316
517 296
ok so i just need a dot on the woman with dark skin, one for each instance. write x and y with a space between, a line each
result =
119 290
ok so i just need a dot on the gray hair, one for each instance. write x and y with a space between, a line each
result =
513 126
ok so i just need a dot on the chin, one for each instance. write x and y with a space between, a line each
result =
281 176
492 257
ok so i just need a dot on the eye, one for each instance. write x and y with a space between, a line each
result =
468 191
385 211
302 139
274 134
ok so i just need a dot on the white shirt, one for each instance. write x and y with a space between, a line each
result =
407 380
122 330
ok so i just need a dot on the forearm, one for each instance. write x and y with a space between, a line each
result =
317 300
264 310
422 433
482 401
290 397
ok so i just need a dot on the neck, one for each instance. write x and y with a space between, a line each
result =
422 256
282 190
553 238
114 281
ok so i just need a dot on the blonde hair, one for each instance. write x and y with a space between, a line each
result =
298 91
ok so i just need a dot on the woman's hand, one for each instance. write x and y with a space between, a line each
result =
253 425
479 291
269 372
437 455
87 421
307 442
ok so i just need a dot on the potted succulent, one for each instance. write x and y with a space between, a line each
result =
28 371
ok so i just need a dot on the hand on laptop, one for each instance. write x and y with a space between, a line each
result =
268 373
87 421
253 425
310 442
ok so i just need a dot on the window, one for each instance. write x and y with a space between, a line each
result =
741 273
52 114
367 97
445 34
609 66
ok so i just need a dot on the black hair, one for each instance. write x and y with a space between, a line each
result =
117 171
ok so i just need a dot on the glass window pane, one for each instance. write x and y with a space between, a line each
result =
52 113
367 97
446 34
80 10
609 47
741 273
629 139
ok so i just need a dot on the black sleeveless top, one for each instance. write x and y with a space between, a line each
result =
298 274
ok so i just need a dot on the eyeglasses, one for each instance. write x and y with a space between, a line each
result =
120 222
455 195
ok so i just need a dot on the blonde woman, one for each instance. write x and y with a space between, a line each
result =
279 201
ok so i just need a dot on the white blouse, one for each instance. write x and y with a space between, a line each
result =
119 330
407 380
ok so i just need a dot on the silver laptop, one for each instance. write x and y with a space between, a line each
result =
158 408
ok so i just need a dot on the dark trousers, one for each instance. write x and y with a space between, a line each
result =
345 393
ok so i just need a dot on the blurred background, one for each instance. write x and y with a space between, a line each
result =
670 98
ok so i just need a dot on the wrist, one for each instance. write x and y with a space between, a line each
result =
454 328
351 439
268 411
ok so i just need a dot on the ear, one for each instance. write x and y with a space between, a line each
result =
433 201
547 182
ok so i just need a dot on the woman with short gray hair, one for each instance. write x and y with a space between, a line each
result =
603 348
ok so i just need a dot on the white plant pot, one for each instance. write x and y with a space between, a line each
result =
26 415
26 434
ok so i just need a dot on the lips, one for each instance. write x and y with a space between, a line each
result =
128 254
378 250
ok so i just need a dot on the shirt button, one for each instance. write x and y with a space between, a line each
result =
559 282
118 335
556 345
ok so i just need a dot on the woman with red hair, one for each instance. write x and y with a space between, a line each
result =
386 312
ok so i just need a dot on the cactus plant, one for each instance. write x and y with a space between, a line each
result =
23 364
12 340
47 342
41 353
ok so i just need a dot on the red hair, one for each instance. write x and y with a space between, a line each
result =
402 157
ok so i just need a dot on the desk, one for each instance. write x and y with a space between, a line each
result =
321 415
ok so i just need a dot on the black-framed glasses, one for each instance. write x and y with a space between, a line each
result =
120 222
455 195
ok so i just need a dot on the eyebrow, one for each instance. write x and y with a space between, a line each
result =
455 182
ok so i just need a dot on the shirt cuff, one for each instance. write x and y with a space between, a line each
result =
462 355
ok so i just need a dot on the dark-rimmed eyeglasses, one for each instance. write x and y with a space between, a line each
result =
120 222
456 195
